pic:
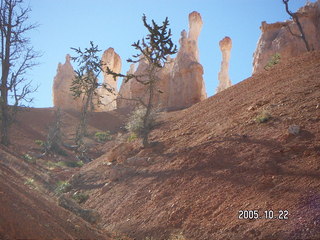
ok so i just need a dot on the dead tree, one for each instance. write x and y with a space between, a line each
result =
17 57
295 18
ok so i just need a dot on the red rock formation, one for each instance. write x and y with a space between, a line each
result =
224 79
62 96
186 83
125 91
181 83
276 38
108 100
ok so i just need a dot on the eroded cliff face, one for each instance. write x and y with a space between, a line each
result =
62 96
276 37
223 77
181 83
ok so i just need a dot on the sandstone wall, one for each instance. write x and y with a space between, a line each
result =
276 38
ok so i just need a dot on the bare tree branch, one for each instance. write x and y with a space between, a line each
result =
16 59
295 18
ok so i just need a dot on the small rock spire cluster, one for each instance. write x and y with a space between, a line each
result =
181 83
62 96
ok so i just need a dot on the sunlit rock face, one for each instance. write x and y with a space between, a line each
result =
125 91
186 82
107 98
62 96
223 77
276 37
180 82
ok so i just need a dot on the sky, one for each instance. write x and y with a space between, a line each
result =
117 23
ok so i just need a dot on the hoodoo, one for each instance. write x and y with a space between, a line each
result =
108 98
180 82
224 79
62 96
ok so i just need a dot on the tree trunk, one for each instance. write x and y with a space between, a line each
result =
6 41
5 121
82 128
297 21
303 36
4 103
146 119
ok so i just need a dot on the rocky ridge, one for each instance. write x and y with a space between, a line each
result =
276 37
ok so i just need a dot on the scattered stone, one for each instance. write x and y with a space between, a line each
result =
294 129
105 188
251 108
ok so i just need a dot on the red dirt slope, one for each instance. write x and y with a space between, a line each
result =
212 160
28 213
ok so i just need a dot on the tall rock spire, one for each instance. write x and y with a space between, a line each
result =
186 82
224 79
62 96
108 99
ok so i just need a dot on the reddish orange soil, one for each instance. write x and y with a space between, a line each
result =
212 160
206 164
28 210
28 214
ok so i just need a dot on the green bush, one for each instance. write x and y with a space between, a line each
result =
263 117
50 165
132 137
39 142
29 158
274 60
135 124
62 187
103 136
53 144
29 182
80 197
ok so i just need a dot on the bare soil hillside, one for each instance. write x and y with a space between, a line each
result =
28 205
230 153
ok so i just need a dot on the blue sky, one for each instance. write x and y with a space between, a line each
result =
117 24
